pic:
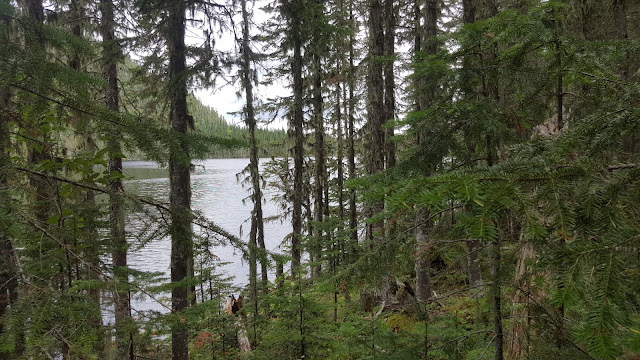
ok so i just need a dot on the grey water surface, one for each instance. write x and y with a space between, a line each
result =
218 193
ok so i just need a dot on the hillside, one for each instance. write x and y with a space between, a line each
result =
209 122
141 95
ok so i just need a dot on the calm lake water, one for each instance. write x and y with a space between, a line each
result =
218 192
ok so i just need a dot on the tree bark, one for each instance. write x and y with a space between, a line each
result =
491 93
179 167
516 346
389 81
122 302
375 104
496 299
319 178
424 100
621 32
298 123
473 263
422 260
351 158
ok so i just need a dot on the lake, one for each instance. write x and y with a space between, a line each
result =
219 194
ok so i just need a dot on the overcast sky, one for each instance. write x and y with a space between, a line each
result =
224 97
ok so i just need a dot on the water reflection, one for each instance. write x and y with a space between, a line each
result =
218 194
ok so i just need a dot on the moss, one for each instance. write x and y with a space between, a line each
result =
398 322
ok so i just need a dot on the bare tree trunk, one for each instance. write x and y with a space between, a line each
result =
180 179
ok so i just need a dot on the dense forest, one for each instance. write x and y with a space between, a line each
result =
461 178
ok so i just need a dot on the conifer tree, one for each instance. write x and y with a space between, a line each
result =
292 10
122 304
179 167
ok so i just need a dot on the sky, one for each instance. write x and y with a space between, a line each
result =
224 97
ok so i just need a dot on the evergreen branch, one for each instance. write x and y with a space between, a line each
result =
107 277
205 225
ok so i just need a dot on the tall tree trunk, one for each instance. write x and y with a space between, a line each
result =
351 157
375 102
340 164
122 302
491 93
376 136
424 100
496 298
473 261
179 176
257 224
417 28
297 119
319 178
43 190
389 81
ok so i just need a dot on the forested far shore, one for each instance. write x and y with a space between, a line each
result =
458 179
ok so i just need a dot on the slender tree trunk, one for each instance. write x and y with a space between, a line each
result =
417 28
340 165
180 195
351 157
339 254
256 215
620 25
496 299
43 190
422 261
319 179
473 261
297 119
375 101
122 301
424 100
389 81
491 93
